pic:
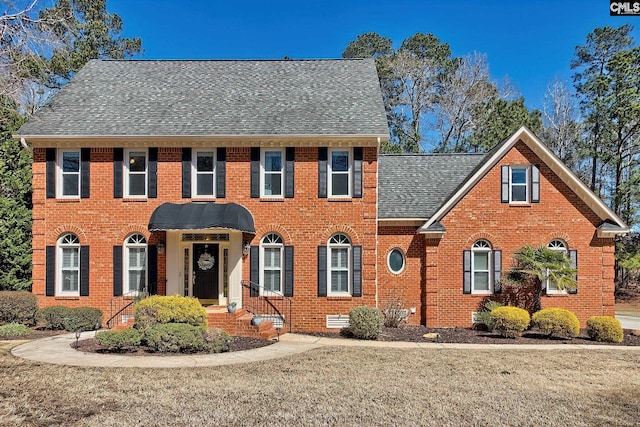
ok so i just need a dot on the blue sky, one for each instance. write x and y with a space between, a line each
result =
530 42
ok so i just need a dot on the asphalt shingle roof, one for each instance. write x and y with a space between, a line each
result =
416 185
199 98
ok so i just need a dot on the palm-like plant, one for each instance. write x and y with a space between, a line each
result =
543 264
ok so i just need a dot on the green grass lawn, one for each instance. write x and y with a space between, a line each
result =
337 386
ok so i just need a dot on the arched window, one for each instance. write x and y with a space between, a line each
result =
339 259
135 264
481 267
560 246
271 248
68 263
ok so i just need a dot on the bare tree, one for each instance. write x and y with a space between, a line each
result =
25 40
462 92
562 129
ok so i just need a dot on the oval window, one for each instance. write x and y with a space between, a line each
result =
396 260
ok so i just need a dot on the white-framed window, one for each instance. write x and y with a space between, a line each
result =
272 248
481 282
339 268
68 265
519 184
135 264
271 173
135 172
203 173
339 165
69 173
395 260
560 246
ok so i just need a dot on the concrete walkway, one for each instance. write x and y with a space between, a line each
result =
57 350
629 322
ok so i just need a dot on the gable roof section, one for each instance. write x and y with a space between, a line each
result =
615 225
414 186
210 98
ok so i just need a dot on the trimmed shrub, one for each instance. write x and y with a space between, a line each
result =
557 321
510 321
605 329
53 317
158 309
484 316
117 340
217 340
365 322
175 338
18 307
14 330
83 318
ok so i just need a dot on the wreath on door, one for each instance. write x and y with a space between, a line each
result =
206 261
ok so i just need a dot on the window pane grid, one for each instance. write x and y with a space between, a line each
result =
68 264
339 173
136 263
137 173
70 173
204 173
272 173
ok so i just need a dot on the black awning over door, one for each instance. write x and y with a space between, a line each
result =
201 216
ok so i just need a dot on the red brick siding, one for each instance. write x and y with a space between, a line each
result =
304 222
480 215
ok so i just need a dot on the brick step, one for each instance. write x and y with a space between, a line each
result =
239 323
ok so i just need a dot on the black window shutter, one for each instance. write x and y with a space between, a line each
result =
357 172
497 271
118 156
255 172
573 255
117 271
221 172
85 173
288 271
289 172
51 173
50 268
322 172
505 184
254 271
322 271
535 184
152 176
467 272
152 266
357 271
186 173
84 271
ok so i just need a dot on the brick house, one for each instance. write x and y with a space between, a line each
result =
240 181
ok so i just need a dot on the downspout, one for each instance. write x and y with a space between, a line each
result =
376 221
24 144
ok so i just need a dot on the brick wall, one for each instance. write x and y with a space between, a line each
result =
480 215
304 222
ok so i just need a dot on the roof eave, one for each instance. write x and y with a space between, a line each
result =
372 139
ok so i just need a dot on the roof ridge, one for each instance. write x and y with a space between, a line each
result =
231 60
429 154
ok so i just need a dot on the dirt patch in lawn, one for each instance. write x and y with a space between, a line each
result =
412 333
91 345
33 335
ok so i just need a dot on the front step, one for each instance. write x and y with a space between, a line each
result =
239 324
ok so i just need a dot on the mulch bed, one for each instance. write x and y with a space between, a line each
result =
91 345
413 333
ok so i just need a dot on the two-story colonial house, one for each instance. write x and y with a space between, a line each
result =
233 180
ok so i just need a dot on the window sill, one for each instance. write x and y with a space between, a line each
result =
556 295
203 198
340 199
68 200
134 199
67 297
339 297
520 205
272 199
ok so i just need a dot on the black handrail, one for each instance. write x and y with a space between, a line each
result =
123 305
266 303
